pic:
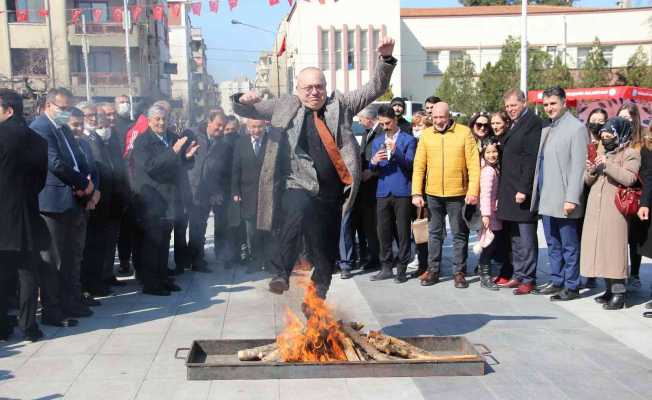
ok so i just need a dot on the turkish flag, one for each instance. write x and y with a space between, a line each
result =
117 14
43 12
136 13
213 5
175 9
196 8
157 11
282 49
76 13
322 1
22 15
233 4
290 2
97 15
273 2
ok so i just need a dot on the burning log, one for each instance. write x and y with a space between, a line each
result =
256 353
361 341
272 356
350 350
397 347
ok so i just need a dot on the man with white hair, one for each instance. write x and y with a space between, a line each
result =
311 166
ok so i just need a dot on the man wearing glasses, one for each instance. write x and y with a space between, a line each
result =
311 166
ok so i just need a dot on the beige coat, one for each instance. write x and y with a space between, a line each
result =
604 235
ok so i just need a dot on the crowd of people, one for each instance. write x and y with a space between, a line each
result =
83 181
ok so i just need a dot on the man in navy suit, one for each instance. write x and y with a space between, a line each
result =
393 157
62 203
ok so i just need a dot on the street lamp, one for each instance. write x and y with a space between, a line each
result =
278 79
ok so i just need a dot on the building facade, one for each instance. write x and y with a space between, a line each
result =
229 88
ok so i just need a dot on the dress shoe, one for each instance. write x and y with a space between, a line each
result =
604 298
278 285
125 268
201 268
501 281
460 281
5 334
566 295
523 288
591 283
429 278
385 273
647 314
33 335
156 291
113 281
346 274
548 289
172 287
61 323
616 302
511 284
418 272
648 305
89 301
79 311
103 291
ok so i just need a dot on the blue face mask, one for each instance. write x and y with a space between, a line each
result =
61 117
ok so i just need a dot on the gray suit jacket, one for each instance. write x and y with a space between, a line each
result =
287 116
563 147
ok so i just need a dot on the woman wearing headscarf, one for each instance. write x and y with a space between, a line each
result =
604 238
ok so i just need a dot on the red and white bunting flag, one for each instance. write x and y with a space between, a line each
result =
175 9
196 8
213 6
42 12
322 1
22 15
290 2
117 14
273 2
97 15
157 12
76 13
233 4
136 13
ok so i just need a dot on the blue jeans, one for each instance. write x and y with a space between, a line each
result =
562 237
347 242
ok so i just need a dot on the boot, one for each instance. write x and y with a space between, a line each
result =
417 274
400 274
604 298
429 278
385 273
485 278
616 302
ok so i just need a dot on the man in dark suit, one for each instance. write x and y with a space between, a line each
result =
203 185
247 162
518 163
23 169
62 204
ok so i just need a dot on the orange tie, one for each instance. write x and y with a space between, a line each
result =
332 150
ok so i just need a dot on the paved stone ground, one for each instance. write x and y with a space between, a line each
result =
541 350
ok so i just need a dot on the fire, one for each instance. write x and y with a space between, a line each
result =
318 340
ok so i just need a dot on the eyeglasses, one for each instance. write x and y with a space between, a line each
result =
61 107
479 125
310 88
90 115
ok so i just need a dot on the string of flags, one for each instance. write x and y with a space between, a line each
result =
116 14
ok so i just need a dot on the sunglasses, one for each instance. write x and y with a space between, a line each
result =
481 126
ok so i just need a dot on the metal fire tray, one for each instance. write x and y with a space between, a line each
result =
217 360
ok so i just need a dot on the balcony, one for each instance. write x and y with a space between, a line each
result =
109 84
107 34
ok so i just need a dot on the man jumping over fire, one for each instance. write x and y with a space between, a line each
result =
311 167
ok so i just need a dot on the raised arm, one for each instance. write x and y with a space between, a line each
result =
250 105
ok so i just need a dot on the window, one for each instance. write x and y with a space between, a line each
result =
552 51
432 62
351 50
582 54
364 50
102 60
324 51
608 53
456 55
31 6
376 39
29 62
88 6
338 50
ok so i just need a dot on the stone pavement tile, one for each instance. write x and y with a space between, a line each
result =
147 321
314 389
238 307
80 344
167 389
249 327
53 368
524 383
639 382
383 388
22 389
202 308
446 387
104 389
584 383
19 348
203 328
245 390
115 367
165 366
617 357
8 366
132 343
111 310
91 325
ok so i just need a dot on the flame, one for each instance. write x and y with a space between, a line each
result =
317 340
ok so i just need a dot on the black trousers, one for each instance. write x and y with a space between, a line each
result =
182 257
317 221
257 241
525 249
94 254
127 237
25 264
496 251
365 211
68 233
113 231
394 217
227 237
155 250
198 221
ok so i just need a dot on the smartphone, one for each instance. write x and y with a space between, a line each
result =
592 152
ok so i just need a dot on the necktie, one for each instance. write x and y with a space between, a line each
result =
257 146
72 154
332 150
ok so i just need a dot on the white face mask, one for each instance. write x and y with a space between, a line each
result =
104 133
123 109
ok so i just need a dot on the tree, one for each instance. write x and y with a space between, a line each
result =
497 78
595 71
637 72
388 95
557 75
472 3
458 86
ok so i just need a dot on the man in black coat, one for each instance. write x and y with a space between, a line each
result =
247 161
205 183
23 170
520 146
398 105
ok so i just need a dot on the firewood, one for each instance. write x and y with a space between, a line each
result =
359 340
397 347
356 325
349 349
256 353
272 356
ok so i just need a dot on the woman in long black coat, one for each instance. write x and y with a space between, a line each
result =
645 175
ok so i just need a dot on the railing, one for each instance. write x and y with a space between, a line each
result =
103 78
101 28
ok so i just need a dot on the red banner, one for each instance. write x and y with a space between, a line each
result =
233 4
97 15
22 15
117 14
214 6
175 9
196 8
43 12
76 13
136 13
273 2
157 11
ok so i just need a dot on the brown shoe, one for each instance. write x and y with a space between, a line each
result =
429 278
460 282
512 284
